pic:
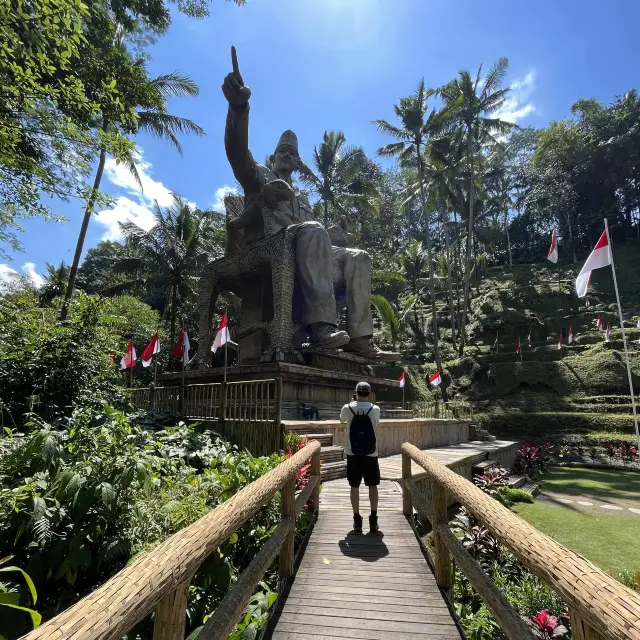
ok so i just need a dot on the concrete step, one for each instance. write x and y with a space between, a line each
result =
325 439
516 482
481 467
333 470
530 487
331 454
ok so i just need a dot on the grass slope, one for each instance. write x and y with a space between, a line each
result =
607 539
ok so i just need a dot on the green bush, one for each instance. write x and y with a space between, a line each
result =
527 425
509 496
77 503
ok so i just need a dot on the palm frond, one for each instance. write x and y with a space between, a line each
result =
389 129
496 76
174 85
165 125
392 149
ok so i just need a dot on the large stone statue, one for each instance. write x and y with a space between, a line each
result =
320 267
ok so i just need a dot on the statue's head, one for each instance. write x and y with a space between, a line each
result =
286 157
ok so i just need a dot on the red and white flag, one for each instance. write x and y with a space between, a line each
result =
599 324
222 337
560 341
129 358
435 379
587 304
553 249
150 350
600 257
401 379
607 333
570 340
181 350
518 345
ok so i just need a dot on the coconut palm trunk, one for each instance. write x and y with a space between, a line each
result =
469 256
91 203
432 291
447 246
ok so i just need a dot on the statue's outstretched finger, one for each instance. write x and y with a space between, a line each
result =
236 68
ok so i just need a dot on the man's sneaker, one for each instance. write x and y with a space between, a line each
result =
365 348
373 523
327 336
357 523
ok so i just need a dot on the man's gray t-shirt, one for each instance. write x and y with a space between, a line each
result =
359 407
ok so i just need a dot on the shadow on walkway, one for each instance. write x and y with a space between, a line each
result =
368 547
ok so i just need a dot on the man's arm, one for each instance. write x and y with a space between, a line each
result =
343 413
236 144
236 133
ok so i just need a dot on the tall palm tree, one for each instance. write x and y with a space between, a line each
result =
154 119
55 282
413 134
337 178
169 257
472 102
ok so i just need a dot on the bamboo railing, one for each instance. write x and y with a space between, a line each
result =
601 608
452 410
160 579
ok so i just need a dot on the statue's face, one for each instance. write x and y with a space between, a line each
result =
286 158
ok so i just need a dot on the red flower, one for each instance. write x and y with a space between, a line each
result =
547 625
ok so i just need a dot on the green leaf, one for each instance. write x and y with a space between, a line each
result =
36 618
234 538
107 494
27 579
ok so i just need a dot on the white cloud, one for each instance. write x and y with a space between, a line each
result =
122 210
517 104
29 270
221 192
138 207
9 276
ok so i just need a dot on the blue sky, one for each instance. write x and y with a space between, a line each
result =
339 64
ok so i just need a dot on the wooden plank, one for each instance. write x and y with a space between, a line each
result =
352 589
306 629
385 605
426 616
331 580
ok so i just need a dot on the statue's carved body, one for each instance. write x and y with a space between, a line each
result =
321 269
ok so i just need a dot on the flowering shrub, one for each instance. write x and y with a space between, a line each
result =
628 453
492 480
532 459
303 474
546 626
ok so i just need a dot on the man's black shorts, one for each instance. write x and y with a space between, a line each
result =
359 467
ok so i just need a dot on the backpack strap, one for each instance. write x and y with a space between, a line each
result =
352 411
368 412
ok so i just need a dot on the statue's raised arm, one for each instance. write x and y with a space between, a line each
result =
236 134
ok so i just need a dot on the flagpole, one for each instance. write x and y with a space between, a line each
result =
226 346
155 363
624 338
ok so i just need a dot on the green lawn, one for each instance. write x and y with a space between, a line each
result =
609 540
605 484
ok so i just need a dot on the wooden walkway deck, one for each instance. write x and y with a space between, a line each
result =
452 454
367 586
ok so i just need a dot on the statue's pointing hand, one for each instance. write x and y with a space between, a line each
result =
233 86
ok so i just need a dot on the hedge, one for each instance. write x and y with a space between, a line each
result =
527 425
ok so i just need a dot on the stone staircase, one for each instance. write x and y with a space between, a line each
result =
333 464
515 482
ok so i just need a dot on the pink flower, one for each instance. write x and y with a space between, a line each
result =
547 625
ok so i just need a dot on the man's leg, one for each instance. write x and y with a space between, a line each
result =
372 480
355 500
356 275
314 268
373 498
354 477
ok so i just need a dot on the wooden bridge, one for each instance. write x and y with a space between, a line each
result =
347 585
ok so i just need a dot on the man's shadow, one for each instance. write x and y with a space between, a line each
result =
368 547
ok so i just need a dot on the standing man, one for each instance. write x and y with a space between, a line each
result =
362 417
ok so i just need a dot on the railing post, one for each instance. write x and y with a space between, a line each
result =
314 501
288 511
580 630
278 411
407 507
223 404
171 614
436 409
441 556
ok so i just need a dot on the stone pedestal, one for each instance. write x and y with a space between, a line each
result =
326 388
